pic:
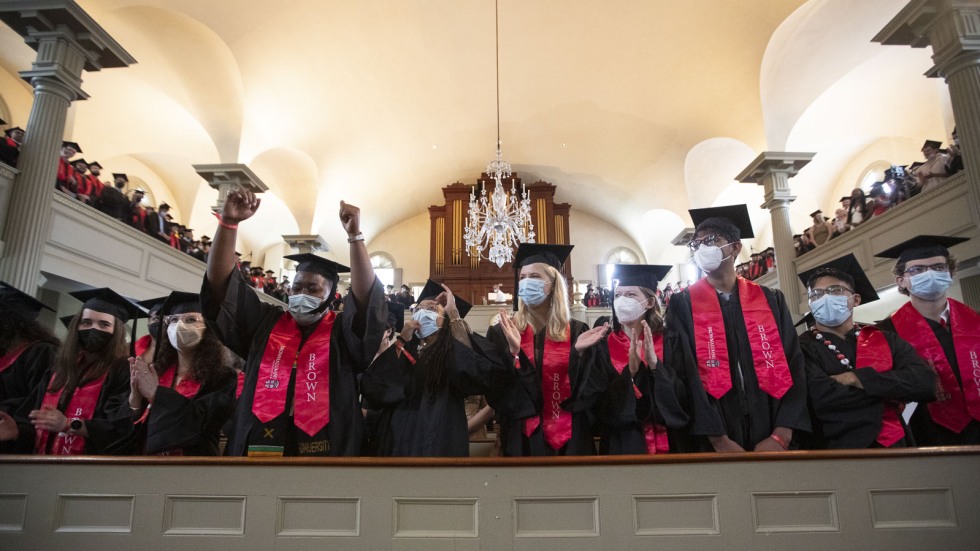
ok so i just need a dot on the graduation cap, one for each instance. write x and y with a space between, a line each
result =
433 289
915 166
164 206
2 122
94 163
270 272
138 191
180 302
117 175
10 131
847 264
808 319
845 198
816 212
538 253
80 160
737 215
66 320
206 238
152 304
932 143
14 300
107 301
309 262
73 145
640 275
921 246
769 250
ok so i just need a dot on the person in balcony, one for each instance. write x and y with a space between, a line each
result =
10 145
137 214
955 162
80 183
180 402
858 211
65 181
933 170
859 378
821 230
839 222
421 382
157 225
113 200
640 400
314 409
945 332
746 385
541 395
78 407
94 185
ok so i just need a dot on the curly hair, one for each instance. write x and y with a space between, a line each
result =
15 328
559 314
207 365
69 373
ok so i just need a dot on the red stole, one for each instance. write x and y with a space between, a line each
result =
555 422
81 406
655 435
11 142
10 357
711 348
65 170
955 407
312 374
141 344
873 350
94 185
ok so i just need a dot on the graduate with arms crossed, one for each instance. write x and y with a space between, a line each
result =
300 395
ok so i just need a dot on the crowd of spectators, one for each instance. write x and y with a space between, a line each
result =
264 280
900 183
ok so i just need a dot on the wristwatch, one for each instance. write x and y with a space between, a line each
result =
75 424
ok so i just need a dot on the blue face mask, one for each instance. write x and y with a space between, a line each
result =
428 322
930 284
830 310
531 291
303 308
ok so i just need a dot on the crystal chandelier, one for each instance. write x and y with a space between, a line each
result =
498 224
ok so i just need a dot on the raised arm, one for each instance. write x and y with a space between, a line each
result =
361 273
239 206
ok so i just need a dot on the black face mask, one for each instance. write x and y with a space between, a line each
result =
154 329
93 340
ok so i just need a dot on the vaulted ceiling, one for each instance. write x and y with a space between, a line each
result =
636 109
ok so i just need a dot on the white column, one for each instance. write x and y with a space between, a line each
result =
772 170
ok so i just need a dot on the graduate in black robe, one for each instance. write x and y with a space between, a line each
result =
640 405
746 417
245 325
850 398
420 382
517 393
51 421
180 403
931 313
27 349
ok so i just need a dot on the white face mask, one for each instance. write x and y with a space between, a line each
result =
428 323
302 308
184 337
629 309
710 257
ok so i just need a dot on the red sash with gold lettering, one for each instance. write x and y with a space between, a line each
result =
768 357
955 407
81 406
556 423
619 350
873 351
311 398
10 357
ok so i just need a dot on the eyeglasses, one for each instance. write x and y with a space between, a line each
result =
833 290
708 240
916 270
186 319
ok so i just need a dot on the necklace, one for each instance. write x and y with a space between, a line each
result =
833 348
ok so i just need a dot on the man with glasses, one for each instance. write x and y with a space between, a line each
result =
945 332
858 378
300 395
733 343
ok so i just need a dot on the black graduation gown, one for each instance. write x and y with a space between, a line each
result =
845 416
114 203
244 324
620 415
190 424
746 413
517 394
109 427
926 431
416 422
19 381
10 153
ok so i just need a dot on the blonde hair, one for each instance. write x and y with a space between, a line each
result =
559 314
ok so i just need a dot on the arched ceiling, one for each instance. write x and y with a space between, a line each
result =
636 109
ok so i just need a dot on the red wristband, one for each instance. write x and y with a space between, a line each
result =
223 224
779 441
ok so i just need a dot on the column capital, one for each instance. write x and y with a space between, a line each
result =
774 162
951 27
229 177
307 243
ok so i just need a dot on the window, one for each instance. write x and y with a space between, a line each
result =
622 255
384 268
